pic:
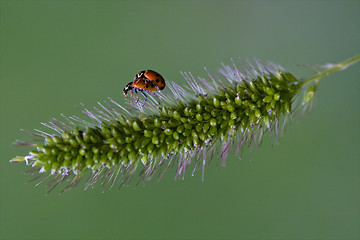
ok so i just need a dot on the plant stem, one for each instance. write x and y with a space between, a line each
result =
330 68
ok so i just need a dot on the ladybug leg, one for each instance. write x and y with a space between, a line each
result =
132 96
144 96
137 95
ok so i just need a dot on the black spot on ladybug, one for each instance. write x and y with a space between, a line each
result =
147 86
161 88
162 81
157 80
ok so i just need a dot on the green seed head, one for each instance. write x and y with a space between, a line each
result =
186 127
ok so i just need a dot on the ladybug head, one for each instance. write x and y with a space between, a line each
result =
127 88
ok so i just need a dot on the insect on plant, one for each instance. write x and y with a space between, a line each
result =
144 81
184 128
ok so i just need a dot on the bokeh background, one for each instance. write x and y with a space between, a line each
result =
57 54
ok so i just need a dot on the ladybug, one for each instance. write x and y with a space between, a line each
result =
147 80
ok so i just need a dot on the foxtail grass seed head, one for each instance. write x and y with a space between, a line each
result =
175 128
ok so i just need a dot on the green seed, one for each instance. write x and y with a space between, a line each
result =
197 142
144 159
145 141
268 99
206 127
49 142
176 135
187 112
198 128
180 129
157 122
156 132
269 91
206 116
231 108
136 126
213 122
168 131
57 140
176 115
148 133
150 147
238 101
216 103
155 140
188 126
199 117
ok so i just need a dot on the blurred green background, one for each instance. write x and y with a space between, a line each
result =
58 54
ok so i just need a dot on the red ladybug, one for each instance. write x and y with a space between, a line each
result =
144 81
